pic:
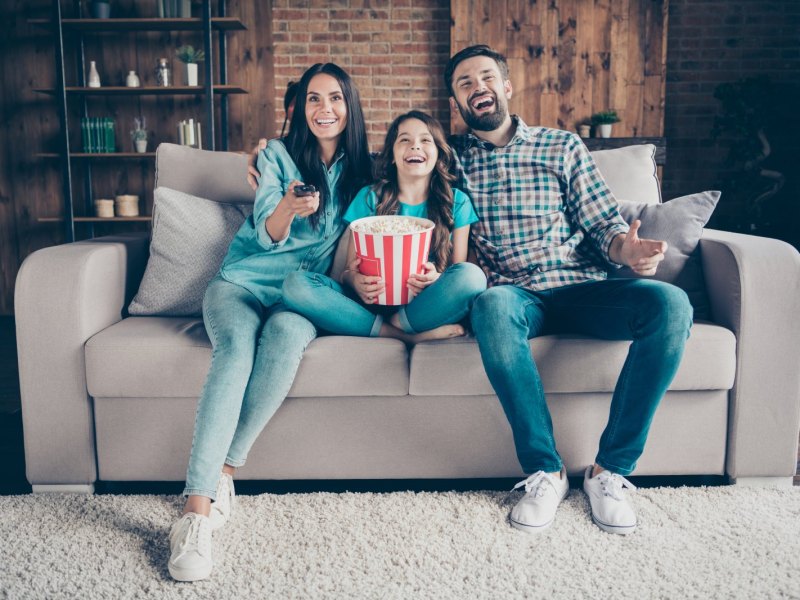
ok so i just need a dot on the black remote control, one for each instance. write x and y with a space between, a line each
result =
304 190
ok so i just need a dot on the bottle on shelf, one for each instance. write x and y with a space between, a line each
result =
94 76
163 73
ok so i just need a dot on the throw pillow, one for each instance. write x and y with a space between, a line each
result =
630 172
680 223
189 240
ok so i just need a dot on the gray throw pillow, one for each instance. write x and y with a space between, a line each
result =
189 240
680 223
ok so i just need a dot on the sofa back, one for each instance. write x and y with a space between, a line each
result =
218 176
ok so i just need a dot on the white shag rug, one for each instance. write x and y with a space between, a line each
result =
705 542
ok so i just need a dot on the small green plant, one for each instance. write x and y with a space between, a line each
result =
606 117
139 131
189 55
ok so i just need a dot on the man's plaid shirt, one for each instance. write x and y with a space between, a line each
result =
547 217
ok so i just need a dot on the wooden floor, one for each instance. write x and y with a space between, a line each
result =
12 475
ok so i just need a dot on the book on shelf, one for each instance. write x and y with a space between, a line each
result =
98 135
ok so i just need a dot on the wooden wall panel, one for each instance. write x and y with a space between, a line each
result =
571 58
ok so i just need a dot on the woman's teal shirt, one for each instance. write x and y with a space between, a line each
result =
260 265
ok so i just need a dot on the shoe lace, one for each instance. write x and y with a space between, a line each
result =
612 484
193 537
534 484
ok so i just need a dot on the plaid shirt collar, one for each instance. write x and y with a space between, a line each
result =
522 134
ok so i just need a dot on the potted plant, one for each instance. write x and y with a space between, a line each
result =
139 134
190 57
603 121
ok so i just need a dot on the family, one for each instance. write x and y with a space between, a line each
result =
525 231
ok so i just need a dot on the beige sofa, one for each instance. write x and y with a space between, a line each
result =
110 397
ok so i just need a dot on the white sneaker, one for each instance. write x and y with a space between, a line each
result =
222 507
190 548
611 510
537 509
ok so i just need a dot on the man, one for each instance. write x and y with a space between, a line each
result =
549 228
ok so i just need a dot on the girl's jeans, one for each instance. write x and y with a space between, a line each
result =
329 306
657 316
256 352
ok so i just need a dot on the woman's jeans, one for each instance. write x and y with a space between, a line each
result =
256 352
337 310
657 316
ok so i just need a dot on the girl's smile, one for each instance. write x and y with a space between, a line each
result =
326 111
415 152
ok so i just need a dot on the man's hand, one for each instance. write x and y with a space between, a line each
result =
368 287
419 281
639 254
252 158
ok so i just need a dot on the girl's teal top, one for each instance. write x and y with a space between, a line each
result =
365 204
260 265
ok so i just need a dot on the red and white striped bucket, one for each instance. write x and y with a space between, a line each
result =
393 257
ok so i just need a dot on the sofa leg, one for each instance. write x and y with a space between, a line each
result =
68 488
763 481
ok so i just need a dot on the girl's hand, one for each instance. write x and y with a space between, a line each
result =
368 287
252 172
419 281
301 206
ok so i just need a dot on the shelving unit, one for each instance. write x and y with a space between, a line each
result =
215 85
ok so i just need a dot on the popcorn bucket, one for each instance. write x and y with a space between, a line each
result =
392 247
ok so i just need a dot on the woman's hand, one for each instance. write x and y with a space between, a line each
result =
300 206
419 281
368 287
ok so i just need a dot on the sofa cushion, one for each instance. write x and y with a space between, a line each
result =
190 238
630 172
680 223
156 357
570 364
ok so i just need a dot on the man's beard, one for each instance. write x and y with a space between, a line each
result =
487 122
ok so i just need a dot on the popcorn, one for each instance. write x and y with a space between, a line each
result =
390 225
392 247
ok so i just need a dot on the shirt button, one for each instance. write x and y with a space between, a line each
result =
499 175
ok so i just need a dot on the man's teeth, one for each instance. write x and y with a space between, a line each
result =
482 103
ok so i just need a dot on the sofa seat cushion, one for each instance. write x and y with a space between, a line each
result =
571 364
168 357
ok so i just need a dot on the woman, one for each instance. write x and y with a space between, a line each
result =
257 344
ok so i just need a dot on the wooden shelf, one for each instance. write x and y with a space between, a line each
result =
140 219
172 90
155 24
101 155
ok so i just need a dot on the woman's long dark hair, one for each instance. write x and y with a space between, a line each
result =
440 196
303 146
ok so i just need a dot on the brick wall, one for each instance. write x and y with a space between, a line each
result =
713 42
395 50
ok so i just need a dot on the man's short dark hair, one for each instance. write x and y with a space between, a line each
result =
470 52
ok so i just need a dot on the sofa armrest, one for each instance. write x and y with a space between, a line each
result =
63 296
754 288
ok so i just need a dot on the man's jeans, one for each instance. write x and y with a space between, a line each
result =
335 309
657 316
256 352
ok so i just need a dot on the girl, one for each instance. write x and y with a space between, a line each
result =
257 344
415 181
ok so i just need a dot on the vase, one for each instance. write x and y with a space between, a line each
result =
191 73
101 10
605 130
141 146
94 76
132 80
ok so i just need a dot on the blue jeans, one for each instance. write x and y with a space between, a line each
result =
337 310
255 355
657 316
